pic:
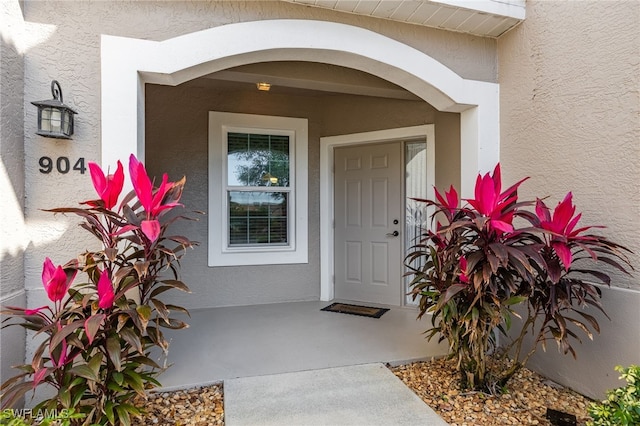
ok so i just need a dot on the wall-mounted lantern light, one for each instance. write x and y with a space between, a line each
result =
55 119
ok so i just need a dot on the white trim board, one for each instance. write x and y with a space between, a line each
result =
327 146
127 64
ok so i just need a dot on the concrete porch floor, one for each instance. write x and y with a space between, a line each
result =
257 340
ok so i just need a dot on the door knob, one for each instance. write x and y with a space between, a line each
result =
393 234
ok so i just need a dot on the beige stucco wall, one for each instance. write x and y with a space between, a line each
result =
180 148
570 118
68 49
12 238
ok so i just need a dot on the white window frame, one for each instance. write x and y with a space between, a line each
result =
296 251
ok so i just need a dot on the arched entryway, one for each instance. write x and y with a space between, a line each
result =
127 64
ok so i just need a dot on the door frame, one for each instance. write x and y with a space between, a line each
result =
327 146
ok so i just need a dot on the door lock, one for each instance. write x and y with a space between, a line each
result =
393 234
395 221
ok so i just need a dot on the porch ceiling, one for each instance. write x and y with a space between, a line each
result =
485 18
309 78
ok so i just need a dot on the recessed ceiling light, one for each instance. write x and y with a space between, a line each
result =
263 86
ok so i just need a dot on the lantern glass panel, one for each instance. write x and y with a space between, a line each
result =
45 119
67 123
56 120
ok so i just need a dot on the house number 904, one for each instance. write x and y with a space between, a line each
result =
61 164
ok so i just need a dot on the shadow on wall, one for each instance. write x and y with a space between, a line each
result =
617 335
12 118
12 339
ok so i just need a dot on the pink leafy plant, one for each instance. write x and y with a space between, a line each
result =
97 337
477 265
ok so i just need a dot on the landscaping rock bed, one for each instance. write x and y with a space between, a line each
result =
191 407
526 402
435 382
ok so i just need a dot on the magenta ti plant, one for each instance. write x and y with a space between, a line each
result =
96 338
472 271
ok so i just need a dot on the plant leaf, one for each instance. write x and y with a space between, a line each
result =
108 411
144 314
95 362
92 325
174 324
514 300
590 319
131 338
16 393
161 308
177 284
133 379
83 370
113 350
59 336
123 415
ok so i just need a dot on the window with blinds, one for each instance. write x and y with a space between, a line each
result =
258 189
258 201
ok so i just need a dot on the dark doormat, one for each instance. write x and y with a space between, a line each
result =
363 311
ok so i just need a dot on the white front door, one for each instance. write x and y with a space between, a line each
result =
368 223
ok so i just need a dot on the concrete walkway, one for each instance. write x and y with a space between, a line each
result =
367 394
248 341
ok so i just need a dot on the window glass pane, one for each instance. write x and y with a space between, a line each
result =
416 220
415 187
257 160
258 218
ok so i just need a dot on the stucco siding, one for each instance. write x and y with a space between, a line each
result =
570 82
592 372
471 57
13 240
447 127
12 340
570 118
11 152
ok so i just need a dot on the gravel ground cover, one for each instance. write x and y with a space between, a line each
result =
526 402
434 381
190 407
